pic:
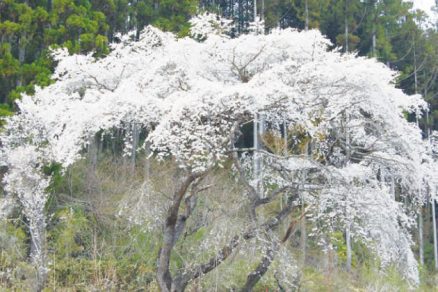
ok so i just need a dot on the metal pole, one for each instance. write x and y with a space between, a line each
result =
435 252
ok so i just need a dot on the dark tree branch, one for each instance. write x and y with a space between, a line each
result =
164 277
268 258
273 196
260 270
190 204
252 192
227 250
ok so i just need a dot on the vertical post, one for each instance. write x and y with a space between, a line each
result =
347 211
256 164
258 132
255 138
428 127
433 199
420 236
260 161
420 215
435 252
285 127
303 236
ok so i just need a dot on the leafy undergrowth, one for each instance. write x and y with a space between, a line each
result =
95 245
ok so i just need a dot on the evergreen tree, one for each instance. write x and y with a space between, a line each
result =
28 28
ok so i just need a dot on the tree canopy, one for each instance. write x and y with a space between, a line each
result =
192 99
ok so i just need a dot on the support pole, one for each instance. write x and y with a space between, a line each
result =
256 162
435 251
347 211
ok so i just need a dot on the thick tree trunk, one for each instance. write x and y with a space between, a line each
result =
164 278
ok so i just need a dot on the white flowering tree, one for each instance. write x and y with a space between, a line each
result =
191 96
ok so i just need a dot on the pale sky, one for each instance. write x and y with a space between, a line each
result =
424 5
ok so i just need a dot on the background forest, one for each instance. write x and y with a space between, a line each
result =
389 30
90 245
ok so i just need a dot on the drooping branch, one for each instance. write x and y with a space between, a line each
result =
261 269
274 195
228 249
269 256
252 192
